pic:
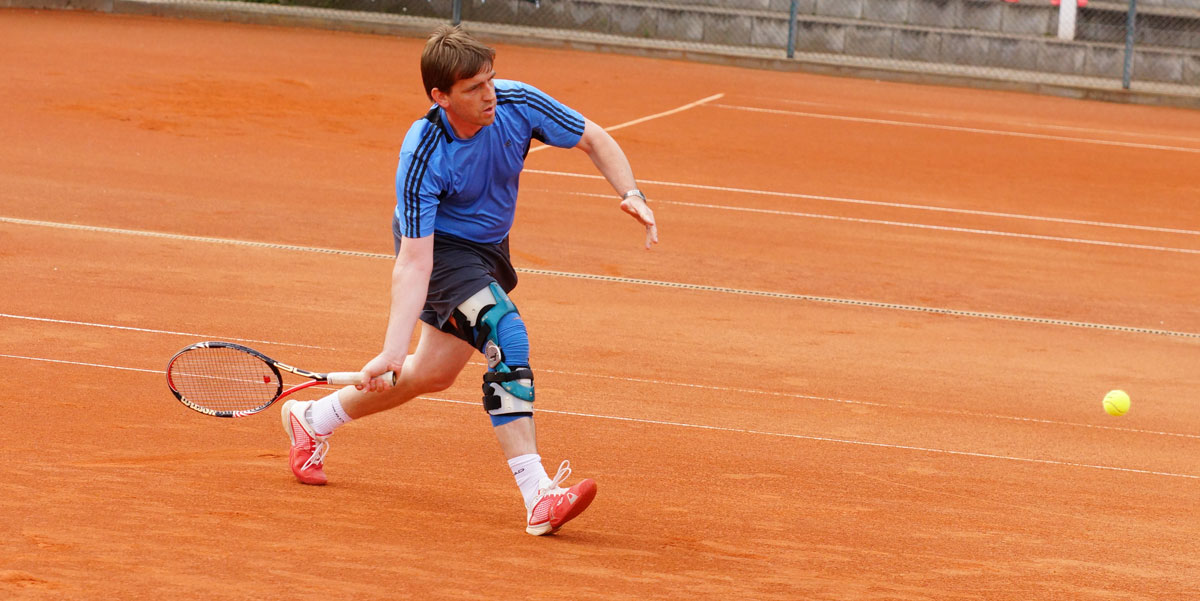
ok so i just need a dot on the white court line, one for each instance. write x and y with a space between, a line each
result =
673 424
680 109
975 130
1033 124
787 395
880 203
944 228
80 363
625 379
665 113
875 444
646 282
132 329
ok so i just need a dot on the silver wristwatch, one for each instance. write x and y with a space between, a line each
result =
633 192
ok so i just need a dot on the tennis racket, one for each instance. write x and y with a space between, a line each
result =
223 379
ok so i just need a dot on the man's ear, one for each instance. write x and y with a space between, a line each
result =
442 100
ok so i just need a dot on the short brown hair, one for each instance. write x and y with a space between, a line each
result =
452 54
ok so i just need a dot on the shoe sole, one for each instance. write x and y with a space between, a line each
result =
538 530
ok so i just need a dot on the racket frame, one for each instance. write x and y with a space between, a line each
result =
350 378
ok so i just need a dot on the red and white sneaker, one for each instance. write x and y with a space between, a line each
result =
554 506
307 454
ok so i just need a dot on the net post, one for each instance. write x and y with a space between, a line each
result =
457 17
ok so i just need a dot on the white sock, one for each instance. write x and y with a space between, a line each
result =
327 414
528 471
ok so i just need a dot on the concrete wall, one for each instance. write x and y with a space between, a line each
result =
985 33
887 37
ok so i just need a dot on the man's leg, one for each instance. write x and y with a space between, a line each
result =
547 505
518 437
508 395
434 365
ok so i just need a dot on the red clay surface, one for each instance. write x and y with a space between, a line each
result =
745 446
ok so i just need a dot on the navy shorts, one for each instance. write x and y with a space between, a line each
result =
460 269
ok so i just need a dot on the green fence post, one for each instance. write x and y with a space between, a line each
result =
1130 19
791 49
457 12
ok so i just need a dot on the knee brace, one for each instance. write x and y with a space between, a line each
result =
500 335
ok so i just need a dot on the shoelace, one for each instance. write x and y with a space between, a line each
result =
318 455
564 472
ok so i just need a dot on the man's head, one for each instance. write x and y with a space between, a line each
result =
457 72
452 54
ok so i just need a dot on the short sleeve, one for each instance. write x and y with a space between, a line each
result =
418 183
552 122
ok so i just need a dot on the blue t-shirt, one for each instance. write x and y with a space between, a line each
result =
468 188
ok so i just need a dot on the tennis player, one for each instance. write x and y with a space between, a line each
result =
456 193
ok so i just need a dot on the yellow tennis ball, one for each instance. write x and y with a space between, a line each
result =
1116 402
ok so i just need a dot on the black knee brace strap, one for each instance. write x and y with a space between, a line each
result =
492 400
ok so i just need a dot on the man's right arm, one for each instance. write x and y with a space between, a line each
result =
410 285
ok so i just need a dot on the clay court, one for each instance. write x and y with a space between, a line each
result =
865 362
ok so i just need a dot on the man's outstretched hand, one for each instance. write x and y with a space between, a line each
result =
636 207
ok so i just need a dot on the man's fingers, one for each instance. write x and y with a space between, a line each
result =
379 374
645 216
651 235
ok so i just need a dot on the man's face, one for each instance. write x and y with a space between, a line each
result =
471 103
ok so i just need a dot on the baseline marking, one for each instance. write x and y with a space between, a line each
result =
871 304
656 422
958 128
1089 130
621 379
858 402
872 444
923 226
880 203
150 331
656 283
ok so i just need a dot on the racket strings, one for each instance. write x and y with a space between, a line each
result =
224 379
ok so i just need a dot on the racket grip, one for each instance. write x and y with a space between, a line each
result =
354 378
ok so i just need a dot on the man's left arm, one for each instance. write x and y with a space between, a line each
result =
608 157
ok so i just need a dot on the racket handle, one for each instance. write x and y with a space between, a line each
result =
354 378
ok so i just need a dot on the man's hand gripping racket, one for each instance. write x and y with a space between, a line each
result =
224 379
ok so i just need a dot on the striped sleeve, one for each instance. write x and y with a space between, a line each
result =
551 121
418 187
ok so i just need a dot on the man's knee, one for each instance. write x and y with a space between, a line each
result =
426 375
500 334
437 380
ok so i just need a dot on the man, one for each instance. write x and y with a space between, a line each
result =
456 190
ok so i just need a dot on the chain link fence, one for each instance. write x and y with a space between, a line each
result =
1143 44
1088 48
